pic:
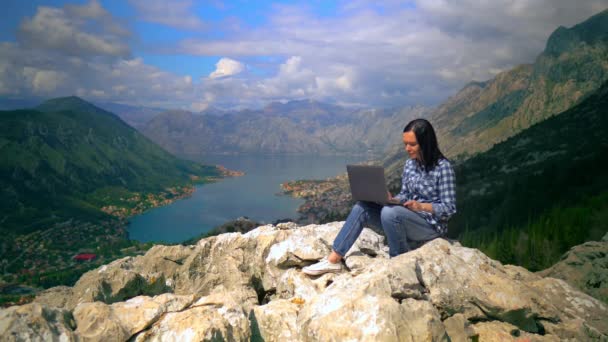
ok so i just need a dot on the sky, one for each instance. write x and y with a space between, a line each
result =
244 54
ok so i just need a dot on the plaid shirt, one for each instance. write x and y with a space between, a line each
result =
437 186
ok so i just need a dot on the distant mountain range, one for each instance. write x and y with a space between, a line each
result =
295 127
135 116
66 158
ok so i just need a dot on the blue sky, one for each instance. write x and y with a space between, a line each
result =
235 54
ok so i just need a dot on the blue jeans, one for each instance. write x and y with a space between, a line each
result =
400 225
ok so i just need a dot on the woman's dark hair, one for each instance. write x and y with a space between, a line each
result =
425 135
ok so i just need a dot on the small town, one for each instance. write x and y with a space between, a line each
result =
49 256
139 203
325 200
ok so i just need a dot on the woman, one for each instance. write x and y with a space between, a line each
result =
427 197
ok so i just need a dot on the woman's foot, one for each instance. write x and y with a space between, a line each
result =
323 266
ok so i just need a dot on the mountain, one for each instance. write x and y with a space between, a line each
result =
572 66
67 158
299 127
135 116
540 191
249 287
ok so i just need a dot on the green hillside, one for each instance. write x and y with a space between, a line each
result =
67 158
528 199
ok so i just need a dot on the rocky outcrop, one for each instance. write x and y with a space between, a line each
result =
250 286
586 267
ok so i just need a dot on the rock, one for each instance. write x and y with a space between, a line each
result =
422 322
117 281
251 286
372 306
501 331
457 328
486 291
231 262
102 322
578 315
57 297
277 320
217 317
309 244
295 284
95 323
302 248
151 274
36 322
297 248
585 267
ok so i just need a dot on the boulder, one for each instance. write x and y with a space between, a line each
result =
117 281
217 317
486 291
500 331
58 297
98 321
277 320
36 322
378 304
585 267
241 286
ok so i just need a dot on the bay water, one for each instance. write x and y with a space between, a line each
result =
253 195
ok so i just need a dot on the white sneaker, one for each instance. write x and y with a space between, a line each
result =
323 266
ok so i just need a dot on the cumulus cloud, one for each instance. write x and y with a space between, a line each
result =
389 56
82 50
227 67
65 31
387 53
176 14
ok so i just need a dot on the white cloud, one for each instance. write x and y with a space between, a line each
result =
55 29
91 10
371 53
227 67
46 81
176 13
82 50
387 57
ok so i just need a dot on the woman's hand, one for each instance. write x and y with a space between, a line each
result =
417 206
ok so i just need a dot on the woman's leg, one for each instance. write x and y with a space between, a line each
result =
400 225
362 213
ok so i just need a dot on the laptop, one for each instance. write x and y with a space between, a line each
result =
367 183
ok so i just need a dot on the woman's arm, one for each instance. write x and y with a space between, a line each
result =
446 206
446 184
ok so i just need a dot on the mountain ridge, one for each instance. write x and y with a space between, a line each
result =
295 127
68 149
